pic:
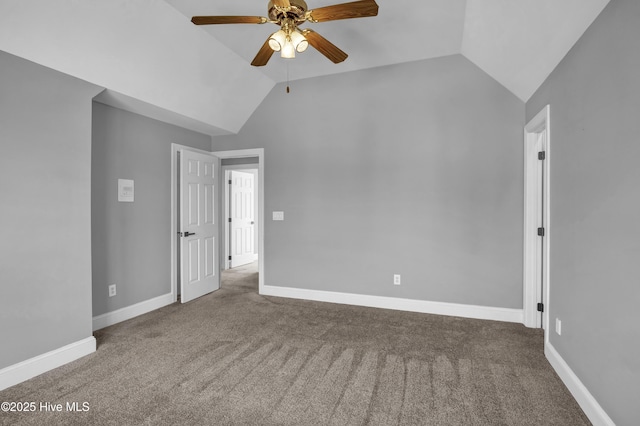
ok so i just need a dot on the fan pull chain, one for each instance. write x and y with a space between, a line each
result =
287 76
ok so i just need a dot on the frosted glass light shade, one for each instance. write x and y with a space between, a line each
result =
288 50
299 41
277 40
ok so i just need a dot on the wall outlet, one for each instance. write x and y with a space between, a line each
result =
396 279
112 290
558 326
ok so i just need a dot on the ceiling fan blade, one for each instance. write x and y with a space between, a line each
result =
324 46
281 3
209 20
356 9
263 56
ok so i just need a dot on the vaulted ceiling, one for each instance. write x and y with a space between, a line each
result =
154 61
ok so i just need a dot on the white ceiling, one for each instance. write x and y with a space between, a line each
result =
518 42
155 62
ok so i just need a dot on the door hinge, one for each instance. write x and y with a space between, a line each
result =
229 257
540 307
229 219
541 232
229 181
542 155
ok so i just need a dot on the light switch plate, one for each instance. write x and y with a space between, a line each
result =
278 215
125 190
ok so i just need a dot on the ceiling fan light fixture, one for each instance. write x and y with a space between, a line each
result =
277 40
289 15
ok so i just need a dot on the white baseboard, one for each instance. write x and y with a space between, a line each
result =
35 366
110 318
587 402
422 306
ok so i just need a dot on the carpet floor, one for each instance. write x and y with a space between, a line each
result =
235 357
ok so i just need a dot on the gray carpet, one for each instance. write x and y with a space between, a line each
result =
234 357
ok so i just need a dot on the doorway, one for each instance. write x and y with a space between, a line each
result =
241 212
536 221
236 156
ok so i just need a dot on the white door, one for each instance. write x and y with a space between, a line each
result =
198 224
242 219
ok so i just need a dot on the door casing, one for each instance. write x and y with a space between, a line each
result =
532 197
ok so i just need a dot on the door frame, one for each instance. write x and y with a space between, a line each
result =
243 153
226 170
540 123
223 155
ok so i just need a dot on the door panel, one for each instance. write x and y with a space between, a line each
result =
210 253
193 256
209 203
199 261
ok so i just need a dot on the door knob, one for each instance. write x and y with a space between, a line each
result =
187 234
252 222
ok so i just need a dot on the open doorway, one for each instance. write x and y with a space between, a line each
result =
242 210
242 224
230 157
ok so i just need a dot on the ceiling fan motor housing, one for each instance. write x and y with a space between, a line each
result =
296 12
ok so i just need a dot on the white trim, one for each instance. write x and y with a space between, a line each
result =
174 218
531 291
587 402
114 317
25 370
255 152
410 305
226 263
253 166
547 224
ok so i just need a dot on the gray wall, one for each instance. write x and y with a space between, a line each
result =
45 249
412 169
595 208
131 241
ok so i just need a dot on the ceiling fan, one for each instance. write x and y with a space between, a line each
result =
289 39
